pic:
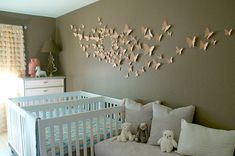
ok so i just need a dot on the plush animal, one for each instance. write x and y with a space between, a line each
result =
126 133
167 142
142 134
39 72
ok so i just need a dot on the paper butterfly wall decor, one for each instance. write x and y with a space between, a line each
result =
127 50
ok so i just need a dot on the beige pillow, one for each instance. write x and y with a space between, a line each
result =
199 140
167 118
136 113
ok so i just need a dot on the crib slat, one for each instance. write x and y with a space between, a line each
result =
105 126
84 138
61 140
42 139
52 140
44 114
51 113
116 123
110 126
77 139
98 129
91 138
57 112
69 139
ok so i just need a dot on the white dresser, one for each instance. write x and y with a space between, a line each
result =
42 86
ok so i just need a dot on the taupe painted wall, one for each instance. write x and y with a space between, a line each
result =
206 80
39 29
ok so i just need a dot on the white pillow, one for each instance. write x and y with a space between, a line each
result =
202 141
167 118
136 113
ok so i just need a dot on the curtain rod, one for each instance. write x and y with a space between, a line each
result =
23 26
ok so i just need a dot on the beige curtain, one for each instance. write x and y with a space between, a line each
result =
12 65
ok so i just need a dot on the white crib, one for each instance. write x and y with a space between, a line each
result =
62 124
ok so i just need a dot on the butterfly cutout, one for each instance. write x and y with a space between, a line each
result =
179 50
149 64
144 30
127 75
158 37
138 46
157 66
87 38
203 45
160 56
165 26
132 57
228 32
208 34
87 55
130 68
93 30
191 42
136 73
95 38
169 33
148 49
71 27
127 30
99 20
149 35
83 26
131 47
142 70
80 36
170 60
213 42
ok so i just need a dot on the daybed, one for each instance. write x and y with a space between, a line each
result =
112 147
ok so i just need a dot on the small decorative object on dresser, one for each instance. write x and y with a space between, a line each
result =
42 85
39 72
51 48
32 65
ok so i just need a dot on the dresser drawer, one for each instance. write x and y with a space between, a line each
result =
43 91
43 83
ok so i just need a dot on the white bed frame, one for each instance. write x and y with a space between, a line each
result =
27 119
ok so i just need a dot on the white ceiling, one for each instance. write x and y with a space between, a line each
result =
48 8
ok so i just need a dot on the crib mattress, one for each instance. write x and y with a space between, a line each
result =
110 125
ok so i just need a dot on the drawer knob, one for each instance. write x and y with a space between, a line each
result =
45 82
46 90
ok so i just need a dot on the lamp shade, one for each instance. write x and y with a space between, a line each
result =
49 46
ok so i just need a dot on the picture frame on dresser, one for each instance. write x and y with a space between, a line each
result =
42 85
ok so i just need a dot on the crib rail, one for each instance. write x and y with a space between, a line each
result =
52 98
111 127
46 126
19 122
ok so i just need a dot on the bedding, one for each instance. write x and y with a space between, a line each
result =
167 118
